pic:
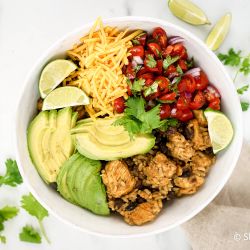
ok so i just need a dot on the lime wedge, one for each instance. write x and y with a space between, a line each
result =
53 74
65 97
219 32
220 129
188 12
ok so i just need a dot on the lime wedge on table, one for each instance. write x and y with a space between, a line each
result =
65 97
220 129
219 32
188 12
53 74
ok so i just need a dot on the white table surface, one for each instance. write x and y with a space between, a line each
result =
27 28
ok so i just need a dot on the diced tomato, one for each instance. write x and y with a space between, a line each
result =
182 103
137 50
119 105
160 36
142 71
163 83
130 71
185 115
140 39
215 104
167 51
171 72
146 76
179 50
183 65
159 66
187 84
211 93
165 111
169 97
198 101
201 81
149 82
155 48
129 91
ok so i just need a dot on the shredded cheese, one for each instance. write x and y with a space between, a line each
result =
101 55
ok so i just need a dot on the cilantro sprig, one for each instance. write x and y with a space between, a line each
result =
169 60
138 121
34 208
6 213
12 176
242 64
29 234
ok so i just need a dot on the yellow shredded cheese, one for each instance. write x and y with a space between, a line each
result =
101 55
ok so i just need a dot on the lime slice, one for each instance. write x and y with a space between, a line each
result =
188 12
53 74
65 97
220 129
219 32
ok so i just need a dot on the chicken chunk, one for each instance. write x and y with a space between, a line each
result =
179 147
201 163
200 137
143 213
199 115
159 171
117 179
188 185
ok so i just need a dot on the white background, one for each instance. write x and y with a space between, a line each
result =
27 28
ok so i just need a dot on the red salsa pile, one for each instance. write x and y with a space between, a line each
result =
161 72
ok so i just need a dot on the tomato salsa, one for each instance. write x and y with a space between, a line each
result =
161 71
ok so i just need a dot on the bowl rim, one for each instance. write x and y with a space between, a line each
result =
128 19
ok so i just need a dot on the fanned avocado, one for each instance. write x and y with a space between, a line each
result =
79 181
101 140
49 141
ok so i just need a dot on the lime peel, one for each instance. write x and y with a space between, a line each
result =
65 97
220 129
53 74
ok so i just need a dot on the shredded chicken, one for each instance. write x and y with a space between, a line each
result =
117 179
179 147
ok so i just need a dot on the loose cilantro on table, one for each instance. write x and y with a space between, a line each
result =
169 60
244 106
243 89
12 176
34 208
29 234
235 59
6 213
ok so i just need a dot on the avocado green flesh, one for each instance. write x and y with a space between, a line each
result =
88 146
49 141
79 182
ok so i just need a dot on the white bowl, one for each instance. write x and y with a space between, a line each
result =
180 210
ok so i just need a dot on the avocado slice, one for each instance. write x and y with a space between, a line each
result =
88 146
79 181
49 141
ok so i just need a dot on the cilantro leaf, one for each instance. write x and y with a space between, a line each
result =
137 86
169 60
245 66
150 61
6 213
34 208
2 239
244 106
232 58
179 70
138 121
170 122
243 89
12 176
151 89
29 234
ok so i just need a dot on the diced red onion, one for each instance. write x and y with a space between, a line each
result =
188 95
213 90
175 39
193 72
137 60
173 111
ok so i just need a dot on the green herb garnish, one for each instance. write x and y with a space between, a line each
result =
29 234
169 60
244 106
151 89
243 89
150 61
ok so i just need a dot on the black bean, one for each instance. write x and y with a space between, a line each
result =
118 202
140 200
131 206
186 173
188 133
